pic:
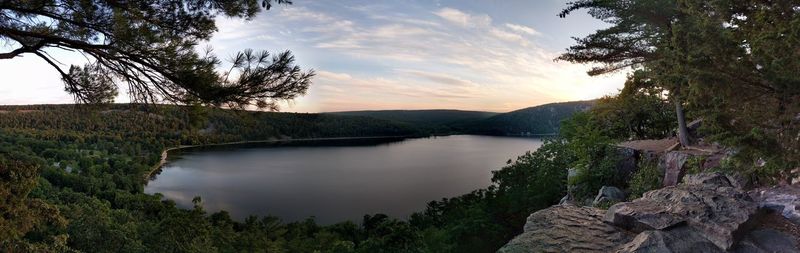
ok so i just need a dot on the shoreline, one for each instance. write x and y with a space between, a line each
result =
165 152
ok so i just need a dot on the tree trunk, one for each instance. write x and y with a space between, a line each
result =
683 132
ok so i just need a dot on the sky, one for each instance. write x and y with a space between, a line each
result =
487 55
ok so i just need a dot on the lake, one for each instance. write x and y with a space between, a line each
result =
335 180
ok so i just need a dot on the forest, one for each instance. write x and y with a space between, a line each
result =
72 176
535 120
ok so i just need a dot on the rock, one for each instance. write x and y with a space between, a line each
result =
565 200
708 212
714 179
766 241
783 199
679 239
627 165
567 228
708 205
672 165
608 193
641 215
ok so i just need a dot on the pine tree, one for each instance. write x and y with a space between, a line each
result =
642 36
150 47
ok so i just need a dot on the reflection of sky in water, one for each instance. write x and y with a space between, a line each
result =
337 183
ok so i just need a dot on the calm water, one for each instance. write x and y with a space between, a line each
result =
336 180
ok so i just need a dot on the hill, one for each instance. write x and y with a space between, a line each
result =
538 120
432 121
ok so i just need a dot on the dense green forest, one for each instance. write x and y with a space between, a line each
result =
435 121
536 120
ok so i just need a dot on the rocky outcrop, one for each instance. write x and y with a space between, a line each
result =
672 164
706 213
781 199
608 194
679 239
709 205
567 228
767 241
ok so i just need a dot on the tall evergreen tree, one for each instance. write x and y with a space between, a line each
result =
642 37
150 46
743 64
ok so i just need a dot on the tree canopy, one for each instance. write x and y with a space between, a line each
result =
150 47
732 63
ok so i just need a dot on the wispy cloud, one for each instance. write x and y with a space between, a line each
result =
463 19
446 59
523 29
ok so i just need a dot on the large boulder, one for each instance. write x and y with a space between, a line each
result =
680 239
608 194
672 164
713 180
708 212
766 241
713 208
782 199
628 161
567 228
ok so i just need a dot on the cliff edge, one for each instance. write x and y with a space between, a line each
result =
708 212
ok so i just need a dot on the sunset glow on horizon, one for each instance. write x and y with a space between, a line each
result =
375 55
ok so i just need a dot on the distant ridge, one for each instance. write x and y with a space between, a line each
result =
537 120
436 121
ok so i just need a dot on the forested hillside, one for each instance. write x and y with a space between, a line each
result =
436 121
423 117
538 120
74 180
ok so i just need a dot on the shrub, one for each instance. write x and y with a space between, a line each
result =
647 178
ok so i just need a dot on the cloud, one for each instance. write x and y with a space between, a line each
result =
397 55
463 19
523 29
333 76
302 13
440 78
507 36
414 60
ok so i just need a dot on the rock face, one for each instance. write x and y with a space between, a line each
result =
767 241
680 239
672 165
629 158
783 199
608 194
706 213
708 205
567 228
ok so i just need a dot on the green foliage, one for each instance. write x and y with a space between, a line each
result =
694 164
595 158
535 180
732 63
537 120
646 178
635 114
20 214
606 204
434 121
596 167
150 46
